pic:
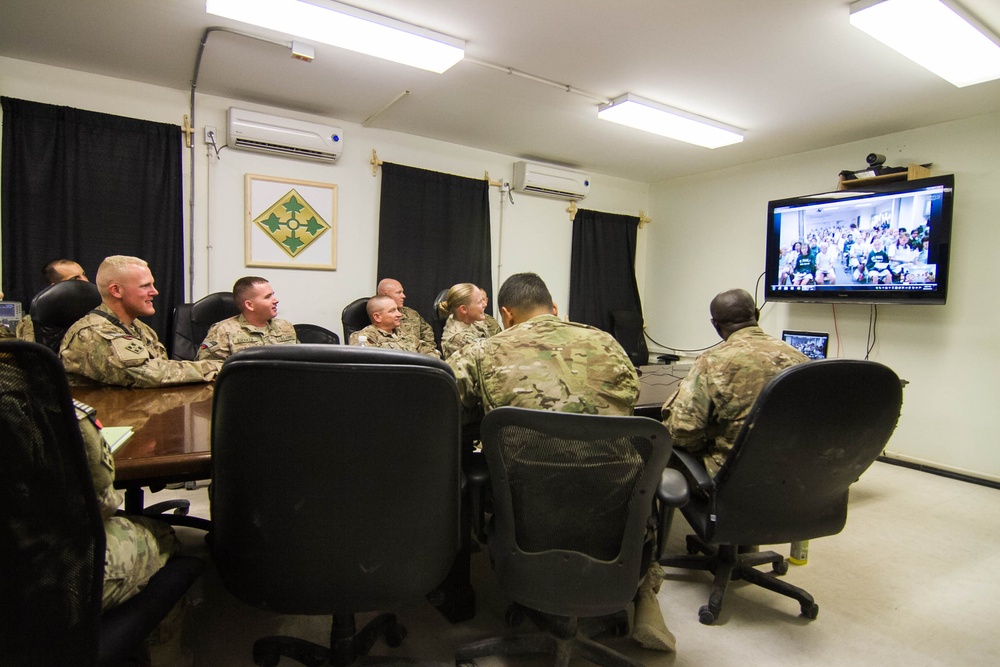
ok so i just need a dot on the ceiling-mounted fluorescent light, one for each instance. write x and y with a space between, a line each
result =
936 34
348 28
669 122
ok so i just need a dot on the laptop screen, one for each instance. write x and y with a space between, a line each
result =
813 344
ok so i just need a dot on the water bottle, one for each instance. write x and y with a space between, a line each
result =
799 554
363 341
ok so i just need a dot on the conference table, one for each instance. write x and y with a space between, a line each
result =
172 428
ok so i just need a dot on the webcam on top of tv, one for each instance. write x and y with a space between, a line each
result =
876 167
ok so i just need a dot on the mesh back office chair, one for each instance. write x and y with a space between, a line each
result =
361 510
58 306
627 329
192 322
571 498
813 430
313 333
354 317
52 560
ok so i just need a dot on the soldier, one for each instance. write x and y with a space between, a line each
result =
540 362
465 305
539 351
110 346
706 412
56 271
257 323
386 329
412 326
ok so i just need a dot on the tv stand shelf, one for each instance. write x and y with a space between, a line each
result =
913 171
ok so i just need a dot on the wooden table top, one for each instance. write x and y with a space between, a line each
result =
172 439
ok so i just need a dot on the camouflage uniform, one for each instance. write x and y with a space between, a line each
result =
547 364
706 412
489 325
414 327
236 333
457 334
25 329
98 348
395 340
136 547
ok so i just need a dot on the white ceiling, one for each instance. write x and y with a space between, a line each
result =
793 73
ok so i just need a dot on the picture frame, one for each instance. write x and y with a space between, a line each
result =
290 223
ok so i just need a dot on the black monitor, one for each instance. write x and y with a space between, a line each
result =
887 243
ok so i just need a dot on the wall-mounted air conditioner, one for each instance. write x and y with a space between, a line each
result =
254 131
541 179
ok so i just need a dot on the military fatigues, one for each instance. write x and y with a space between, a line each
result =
236 333
394 340
706 412
413 327
25 329
457 334
99 348
547 364
136 547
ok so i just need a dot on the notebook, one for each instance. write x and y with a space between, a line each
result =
813 344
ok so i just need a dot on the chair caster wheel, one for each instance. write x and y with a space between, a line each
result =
810 611
780 568
705 616
395 634
513 617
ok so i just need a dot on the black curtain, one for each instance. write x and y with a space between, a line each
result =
602 269
85 185
434 232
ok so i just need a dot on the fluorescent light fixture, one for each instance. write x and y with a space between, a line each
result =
936 34
348 28
666 121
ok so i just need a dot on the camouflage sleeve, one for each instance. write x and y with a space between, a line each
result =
216 345
99 460
427 339
109 358
466 367
456 339
25 329
686 413
428 348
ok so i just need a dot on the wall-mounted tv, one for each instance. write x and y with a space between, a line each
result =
884 243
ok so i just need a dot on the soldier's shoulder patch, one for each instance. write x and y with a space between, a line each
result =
129 349
208 345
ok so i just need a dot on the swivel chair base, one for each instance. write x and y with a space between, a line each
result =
728 564
348 646
567 638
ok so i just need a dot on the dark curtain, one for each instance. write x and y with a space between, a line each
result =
85 185
434 232
602 269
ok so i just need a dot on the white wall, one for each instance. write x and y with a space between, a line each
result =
709 236
536 232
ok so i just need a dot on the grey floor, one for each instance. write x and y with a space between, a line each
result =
914 579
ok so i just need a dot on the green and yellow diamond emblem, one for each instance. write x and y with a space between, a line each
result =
292 223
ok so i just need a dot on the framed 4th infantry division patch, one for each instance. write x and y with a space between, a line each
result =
290 223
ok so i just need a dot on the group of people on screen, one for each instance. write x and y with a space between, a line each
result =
881 255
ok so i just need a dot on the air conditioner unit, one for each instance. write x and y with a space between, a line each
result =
253 131
541 179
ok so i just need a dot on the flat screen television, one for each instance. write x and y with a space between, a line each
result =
884 243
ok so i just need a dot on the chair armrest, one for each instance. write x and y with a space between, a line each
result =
673 489
693 470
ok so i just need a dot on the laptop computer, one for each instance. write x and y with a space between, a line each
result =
813 344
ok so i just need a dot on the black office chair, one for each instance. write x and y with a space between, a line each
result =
627 329
192 322
313 333
52 560
355 317
345 506
438 320
813 430
571 498
58 306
